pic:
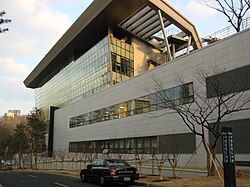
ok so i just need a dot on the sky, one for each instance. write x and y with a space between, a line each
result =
38 24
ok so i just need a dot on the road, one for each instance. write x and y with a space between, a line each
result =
36 179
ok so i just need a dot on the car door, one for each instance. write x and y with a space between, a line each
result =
97 169
90 170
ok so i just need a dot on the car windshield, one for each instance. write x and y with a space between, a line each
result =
116 163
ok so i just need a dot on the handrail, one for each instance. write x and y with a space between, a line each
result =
225 32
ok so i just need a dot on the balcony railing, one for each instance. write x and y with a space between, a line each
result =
223 33
218 35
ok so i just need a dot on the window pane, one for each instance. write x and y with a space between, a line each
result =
127 143
177 92
116 142
140 143
132 143
146 142
169 94
121 144
153 99
154 142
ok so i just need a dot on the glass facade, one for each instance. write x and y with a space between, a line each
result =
89 74
122 58
181 94
183 143
128 145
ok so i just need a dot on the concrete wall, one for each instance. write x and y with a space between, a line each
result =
142 53
229 53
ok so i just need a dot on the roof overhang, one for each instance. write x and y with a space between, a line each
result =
137 17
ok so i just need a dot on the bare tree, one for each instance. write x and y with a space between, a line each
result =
87 158
173 160
21 141
59 156
234 10
160 159
26 161
173 153
2 30
6 131
117 156
62 157
36 130
139 159
204 108
152 155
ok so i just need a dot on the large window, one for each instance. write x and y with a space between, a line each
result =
228 82
181 94
83 77
122 65
122 57
241 131
131 145
92 72
177 143
171 143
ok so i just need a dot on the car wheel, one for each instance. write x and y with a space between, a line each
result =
83 178
102 181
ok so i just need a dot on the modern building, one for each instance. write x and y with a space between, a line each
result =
97 83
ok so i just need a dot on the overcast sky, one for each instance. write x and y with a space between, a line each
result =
38 24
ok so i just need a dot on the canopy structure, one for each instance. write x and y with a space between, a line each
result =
140 18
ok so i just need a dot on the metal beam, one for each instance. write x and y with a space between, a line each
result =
189 43
173 50
141 19
177 19
145 26
132 17
164 35
155 30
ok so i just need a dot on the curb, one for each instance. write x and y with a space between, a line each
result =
149 185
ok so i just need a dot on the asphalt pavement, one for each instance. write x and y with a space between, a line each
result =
36 179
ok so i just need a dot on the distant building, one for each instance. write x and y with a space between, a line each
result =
12 117
9 114
12 113
15 112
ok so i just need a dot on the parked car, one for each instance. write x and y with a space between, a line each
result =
6 165
106 171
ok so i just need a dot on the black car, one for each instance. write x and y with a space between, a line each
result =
106 171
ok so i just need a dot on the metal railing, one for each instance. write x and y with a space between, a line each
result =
225 32
219 35
216 36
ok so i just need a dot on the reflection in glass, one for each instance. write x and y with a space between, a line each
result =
83 77
182 94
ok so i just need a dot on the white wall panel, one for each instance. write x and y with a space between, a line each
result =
229 53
